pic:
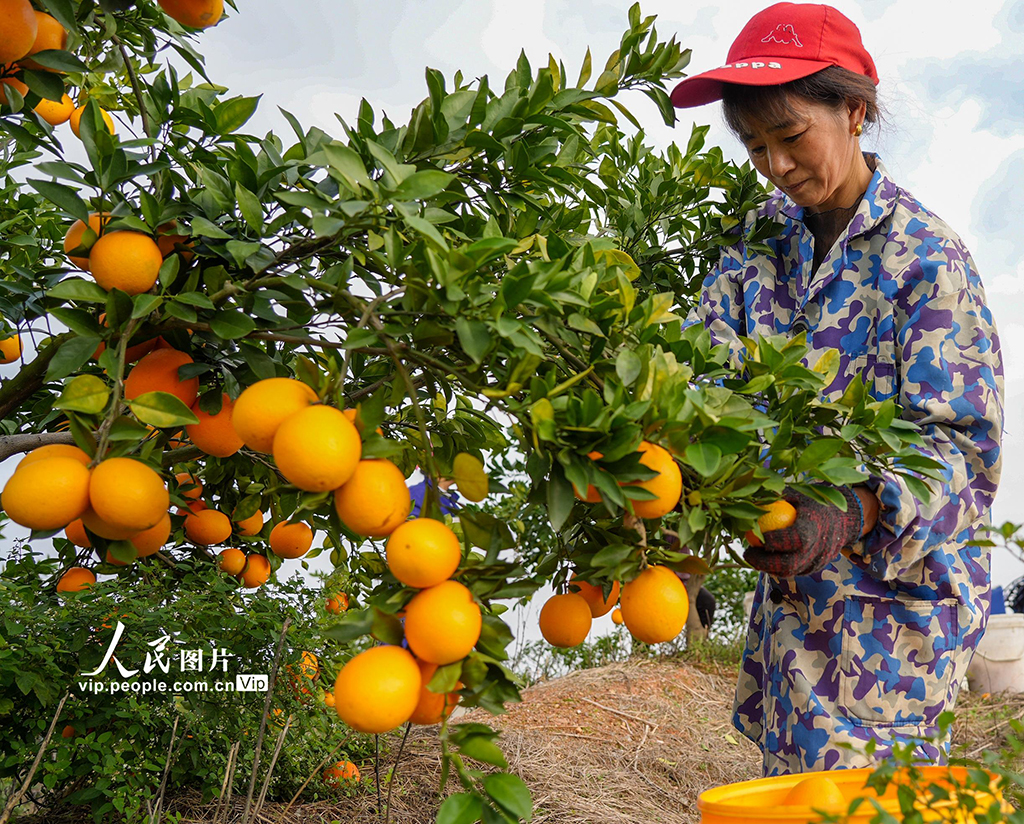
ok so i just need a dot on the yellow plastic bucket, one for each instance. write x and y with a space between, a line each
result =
763 800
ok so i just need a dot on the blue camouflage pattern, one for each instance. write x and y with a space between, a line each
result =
873 647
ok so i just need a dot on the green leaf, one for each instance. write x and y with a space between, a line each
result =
422 185
818 452
353 624
511 794
46 84
474 336
234 113
627 366
611 556
386 628
560 499
478 747
460 808
250 207
231 324
347 162
72 356
63 196
162 410
428 230
145 305
79 289
703 457
204 228
85 393
59 60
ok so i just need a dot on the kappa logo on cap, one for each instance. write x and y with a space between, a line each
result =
784 33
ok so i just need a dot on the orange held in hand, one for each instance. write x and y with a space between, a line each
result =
378 690
565 620
780 515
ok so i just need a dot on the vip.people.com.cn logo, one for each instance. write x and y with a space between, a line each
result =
203 665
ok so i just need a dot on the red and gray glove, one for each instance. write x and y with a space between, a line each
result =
815 539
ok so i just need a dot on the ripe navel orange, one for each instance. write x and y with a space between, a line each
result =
232 561
55 450
378 689
18 29
49 35
780 514
76 122
654 605
47 494
423 552
76 579
341 772
338 604
433 707
668 485
594 596
10 349
75 532
565 620
208 527
196 14
158 372
317 448
125 260
252 525
291 539
73 239
55 113
256 572
152 540
442 623
375 500
215 434
264 406
593 495
128 494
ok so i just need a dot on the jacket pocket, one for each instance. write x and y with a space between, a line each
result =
897 660
879 375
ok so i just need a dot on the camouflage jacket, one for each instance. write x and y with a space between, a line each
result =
874 647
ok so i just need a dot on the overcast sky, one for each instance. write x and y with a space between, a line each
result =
950 82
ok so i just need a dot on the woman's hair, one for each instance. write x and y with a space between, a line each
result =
835 87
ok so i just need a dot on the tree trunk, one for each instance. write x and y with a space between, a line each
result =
695 630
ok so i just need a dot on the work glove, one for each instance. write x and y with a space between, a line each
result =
815 539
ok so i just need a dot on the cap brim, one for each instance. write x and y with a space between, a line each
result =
755 71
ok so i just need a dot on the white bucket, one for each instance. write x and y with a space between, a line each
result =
998 663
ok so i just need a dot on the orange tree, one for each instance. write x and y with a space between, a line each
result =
493 291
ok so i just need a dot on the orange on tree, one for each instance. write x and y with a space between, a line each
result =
256 572
170 242
357 422
47 494
338 603
76 579
309 665
152 540
593 495
779 515
97 526
565 620
252 525
433 707
158 372
423 552
75 532
196 14
14 83
74 238
125 260
10 349
55 113
617 616
208 527
594 596
329 698
343 771
317 448
128 494
189 486
291 539
232 561
133 352
76 121
49 35
378 689
654 605
215 434
193 506
67 732
375 500
55 450
18 29
667 485
442 623
264 406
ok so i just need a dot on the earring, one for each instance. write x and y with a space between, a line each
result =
859 130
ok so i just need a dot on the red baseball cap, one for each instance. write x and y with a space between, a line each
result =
784 42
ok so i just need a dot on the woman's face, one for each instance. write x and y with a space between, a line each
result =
814 157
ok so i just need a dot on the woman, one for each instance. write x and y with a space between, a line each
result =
868 644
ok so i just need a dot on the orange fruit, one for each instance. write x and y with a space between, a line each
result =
75 580
442 623
76 120
423 552
134 351
433 707
13 83
49 35
47 494
73 239
158 372
779 515
317 448
329 698
193 506
128 494
309 665
593 496
10 349
351 415
55 113
251 525
214 434
375 500
343 771
264 406
232 561
189 486
819 792
196 14
75 532
338 604
256 572
565 620
668 485
617 616
172 243
208 527
654 605
110 559
129 261
152 540
594 596
378 689
97 526
55 450
291 539
67 732
18 29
